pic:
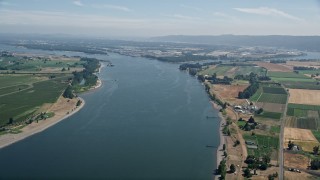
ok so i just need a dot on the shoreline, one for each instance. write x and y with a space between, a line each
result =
34 128
37 127
219 153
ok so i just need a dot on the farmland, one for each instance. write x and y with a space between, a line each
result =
287 75
20 104
274 67
304 96
310 84
270 95
266 144
271 115
40 64
296 109
302 122
41 82
273 98
231 71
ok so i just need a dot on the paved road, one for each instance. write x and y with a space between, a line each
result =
281 159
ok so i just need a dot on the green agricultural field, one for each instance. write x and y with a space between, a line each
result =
241 123
272 115
281 80
275 129
36 64
266 144
273 98
21 104
309 71
301 110
307 123
231 71
303 123
300 113
246 70
304 106
7 80
220 70
274 90
256 95
301 85
287 75
316 134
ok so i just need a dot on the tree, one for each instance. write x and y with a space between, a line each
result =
63 69
236 143
251 120
263 166
68 93
225 154
10 121
290 145
266 159
79 103
315 164
232 168
222 169
315 150
224 105
260 111
250 159
247 173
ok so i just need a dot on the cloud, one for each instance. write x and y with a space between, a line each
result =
223 15
268 12
110 6
78 3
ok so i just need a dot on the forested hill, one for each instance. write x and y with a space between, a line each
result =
309 43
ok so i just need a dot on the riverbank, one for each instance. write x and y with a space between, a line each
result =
62 109
219 153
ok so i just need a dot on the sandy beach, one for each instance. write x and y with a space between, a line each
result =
222 138
62 109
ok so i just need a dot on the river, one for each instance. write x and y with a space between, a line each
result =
147 121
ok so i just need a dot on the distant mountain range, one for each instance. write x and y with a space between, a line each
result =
304 43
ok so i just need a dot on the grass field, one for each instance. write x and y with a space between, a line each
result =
13 80
303 123
287 75
273 98
231 71
282 79
20 104
256 95
275 129
274 90
270 94
219 70
303 110
241 123
266 144
312 85
272 115
310 71
316 134
38 63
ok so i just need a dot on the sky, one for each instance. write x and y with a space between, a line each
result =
146 18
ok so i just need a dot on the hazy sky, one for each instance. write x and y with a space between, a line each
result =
161 17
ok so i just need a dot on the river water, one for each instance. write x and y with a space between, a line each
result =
147 121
